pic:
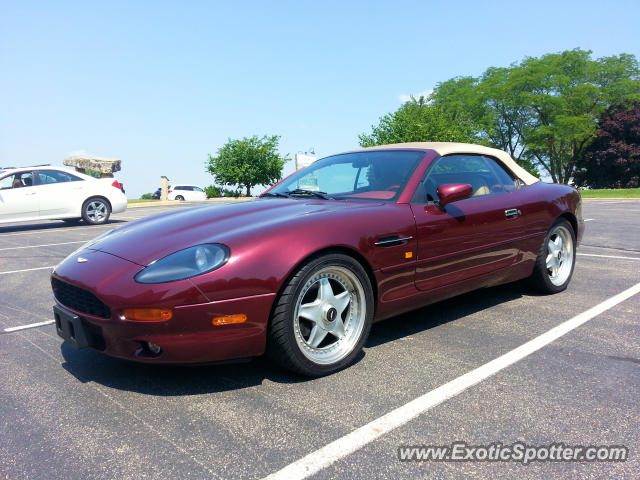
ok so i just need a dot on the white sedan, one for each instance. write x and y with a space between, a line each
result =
46 192
192 193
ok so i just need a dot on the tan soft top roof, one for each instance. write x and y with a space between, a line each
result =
448 148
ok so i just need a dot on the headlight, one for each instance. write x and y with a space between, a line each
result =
184 264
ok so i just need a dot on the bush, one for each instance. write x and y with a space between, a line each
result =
213 191
146 196
231 193
612 160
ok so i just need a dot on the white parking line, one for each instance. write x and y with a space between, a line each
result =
607 256
588 219
340 448
45 245
74 228
54 230
31 325
26 270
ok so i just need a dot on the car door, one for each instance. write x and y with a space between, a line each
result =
60 193
18 199
469 237
187 193
199 194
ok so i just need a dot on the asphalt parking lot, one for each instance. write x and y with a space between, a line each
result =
77 414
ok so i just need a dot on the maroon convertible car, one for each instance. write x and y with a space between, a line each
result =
302 272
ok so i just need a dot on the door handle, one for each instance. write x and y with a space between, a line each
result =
30 193
512 213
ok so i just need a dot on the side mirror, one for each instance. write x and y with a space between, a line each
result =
453 192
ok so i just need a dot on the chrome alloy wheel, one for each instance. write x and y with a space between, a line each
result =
96 211
330 315
559 259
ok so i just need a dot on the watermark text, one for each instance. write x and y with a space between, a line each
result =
514 452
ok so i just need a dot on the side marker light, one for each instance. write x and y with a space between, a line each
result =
229 319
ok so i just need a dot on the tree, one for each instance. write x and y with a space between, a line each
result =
417 121
612 160
543 111
248 162
498 121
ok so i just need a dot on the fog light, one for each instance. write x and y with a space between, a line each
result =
153 348
229 319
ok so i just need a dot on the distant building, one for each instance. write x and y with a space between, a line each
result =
304 160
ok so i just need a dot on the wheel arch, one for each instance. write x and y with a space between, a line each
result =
101 197
357 256
572 220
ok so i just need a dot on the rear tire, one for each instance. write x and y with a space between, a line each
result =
180 197
556 259
322 318
96 211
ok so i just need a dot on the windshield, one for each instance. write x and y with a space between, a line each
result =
370 175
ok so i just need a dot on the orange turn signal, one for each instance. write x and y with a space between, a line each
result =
147 314
228 319
408 254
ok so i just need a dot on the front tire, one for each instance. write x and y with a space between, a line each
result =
556 259
323 316
96 211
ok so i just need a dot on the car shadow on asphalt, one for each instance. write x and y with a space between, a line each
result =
169 380
445 311
53 226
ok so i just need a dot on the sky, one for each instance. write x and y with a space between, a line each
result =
160 85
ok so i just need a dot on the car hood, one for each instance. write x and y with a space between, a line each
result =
145 241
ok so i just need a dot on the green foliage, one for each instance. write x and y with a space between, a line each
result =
93 173
611 193
213 191
147 196
542 111
612 160
248 162
417 121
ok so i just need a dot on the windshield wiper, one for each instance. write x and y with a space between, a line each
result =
301 191
274 194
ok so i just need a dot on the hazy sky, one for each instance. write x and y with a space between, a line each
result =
162 84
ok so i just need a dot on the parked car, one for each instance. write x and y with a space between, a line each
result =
156 194
46 192
302 273
186 192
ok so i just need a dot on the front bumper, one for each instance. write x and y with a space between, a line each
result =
96 287
189 337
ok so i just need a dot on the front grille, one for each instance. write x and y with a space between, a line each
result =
79 299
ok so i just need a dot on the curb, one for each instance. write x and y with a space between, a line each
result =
611 199
152 204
